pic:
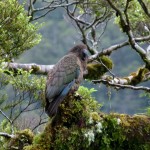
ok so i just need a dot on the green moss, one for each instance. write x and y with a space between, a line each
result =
79 124
22 138
107 61
96 69
139 75
136 130
35 68
41 141
95 116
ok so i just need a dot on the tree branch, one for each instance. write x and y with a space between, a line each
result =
121 86
130 81
144 7
125 24
112 48
142 75
36 69
49 6
6 135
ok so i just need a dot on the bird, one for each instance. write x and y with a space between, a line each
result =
65 77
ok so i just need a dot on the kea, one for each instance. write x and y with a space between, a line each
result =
65 77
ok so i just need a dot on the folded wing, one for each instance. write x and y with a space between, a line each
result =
59 82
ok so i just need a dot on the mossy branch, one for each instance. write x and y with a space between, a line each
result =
129 82
80 125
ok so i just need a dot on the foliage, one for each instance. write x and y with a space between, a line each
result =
88 128
5 127
22 83
21 139
21 93
136 15
17 34
26 96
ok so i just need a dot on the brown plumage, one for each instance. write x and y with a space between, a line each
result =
65 76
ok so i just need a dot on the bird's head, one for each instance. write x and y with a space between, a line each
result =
80 51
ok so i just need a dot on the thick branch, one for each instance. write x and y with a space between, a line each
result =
145 9
109 50
36 69
135 78
130 81
43 69
6 135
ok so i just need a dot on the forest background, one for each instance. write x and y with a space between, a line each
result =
59 35
123 62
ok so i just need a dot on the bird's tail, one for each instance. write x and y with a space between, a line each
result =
52 107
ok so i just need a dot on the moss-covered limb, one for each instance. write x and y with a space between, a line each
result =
80 125
19 140
135 78
112 132
97 69
139 76
136 130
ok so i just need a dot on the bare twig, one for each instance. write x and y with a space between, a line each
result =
41 121
100 62
49 6
10 121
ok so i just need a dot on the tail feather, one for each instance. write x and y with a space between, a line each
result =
52 107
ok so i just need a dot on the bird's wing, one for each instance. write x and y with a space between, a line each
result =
65 71
51 107
60 80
